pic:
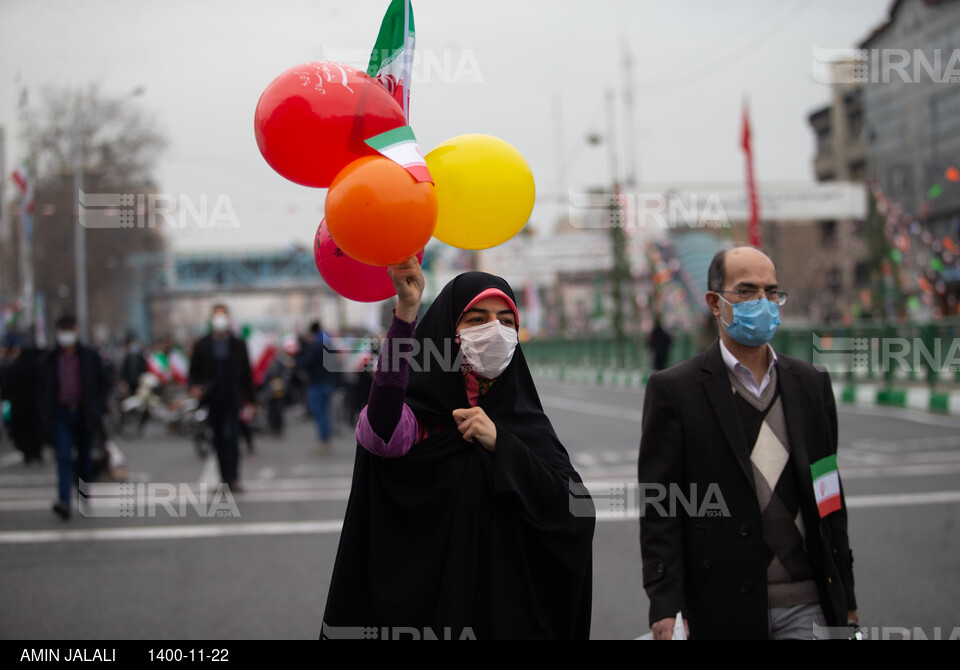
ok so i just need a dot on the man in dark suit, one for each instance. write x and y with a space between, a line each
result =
761 552
221 379
72 389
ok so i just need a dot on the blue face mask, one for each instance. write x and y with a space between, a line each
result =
754 322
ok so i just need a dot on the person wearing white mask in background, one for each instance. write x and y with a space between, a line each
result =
460 521
72 389
221 379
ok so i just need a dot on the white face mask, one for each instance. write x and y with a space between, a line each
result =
488 348
66 338
220 322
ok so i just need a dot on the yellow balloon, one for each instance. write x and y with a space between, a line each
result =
485 191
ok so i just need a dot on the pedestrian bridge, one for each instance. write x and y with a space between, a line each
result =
181 274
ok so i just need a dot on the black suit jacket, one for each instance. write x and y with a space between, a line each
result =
94 385
203 371
712 568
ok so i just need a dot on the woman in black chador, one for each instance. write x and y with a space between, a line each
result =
466 518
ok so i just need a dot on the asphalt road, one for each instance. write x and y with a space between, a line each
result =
258 566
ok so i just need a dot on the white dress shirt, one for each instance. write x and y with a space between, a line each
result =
743 372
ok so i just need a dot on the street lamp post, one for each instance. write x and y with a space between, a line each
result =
80 234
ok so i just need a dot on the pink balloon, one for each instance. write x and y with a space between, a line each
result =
347 276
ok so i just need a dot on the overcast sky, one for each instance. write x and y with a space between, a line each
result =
532 72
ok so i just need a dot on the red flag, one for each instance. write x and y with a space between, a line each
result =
754 227
25 186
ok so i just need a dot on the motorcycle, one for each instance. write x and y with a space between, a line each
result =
136 409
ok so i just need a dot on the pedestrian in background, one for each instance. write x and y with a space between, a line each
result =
72 398
220 378
133 365
9 352
323 380
659 342
20 389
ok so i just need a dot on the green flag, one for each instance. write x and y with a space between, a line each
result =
392 55
400 146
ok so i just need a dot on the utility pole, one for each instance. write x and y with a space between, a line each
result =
620 271
633 171
632 179
4 226
80 231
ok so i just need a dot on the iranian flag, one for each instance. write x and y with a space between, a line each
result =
25 186
392 55
261 350
753 198
179 365
158 366
826 485
400 146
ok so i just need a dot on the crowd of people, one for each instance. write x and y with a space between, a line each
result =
70 401
461 516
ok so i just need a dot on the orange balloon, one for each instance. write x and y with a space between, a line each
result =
377 213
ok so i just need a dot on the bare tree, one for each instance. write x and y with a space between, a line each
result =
118 142
119 146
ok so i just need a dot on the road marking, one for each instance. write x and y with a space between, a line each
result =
865 466
208 530
912 415
906 470
899 447
592 408
853 502
273 490
173 532
182 501
338 488
898 499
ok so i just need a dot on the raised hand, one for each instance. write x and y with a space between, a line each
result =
408 282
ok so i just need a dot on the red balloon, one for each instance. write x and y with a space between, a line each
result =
378 213
312 120
349 277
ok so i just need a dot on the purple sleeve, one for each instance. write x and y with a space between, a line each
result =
404 435
385 407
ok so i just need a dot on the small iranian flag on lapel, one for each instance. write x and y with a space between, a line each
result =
826 485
